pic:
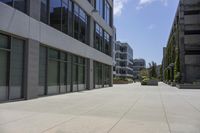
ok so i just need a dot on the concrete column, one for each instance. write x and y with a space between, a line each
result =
91 35
32 69
90 74
111 80
34 9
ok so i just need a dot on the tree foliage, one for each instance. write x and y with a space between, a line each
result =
152 70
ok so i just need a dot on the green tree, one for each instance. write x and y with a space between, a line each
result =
152 70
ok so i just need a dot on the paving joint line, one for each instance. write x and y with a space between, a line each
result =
165 112
125 113
72 118
193 106
19 119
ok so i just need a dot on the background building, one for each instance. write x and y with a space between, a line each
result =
50 47
182 56
138 65
124 60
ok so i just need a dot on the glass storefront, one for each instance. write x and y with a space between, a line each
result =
11 68
102 75
60 72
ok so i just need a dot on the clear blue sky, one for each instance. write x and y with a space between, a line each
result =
145 25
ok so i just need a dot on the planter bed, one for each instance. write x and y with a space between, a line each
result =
122 82
188 86
151 83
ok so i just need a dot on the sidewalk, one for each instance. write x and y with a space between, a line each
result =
120 109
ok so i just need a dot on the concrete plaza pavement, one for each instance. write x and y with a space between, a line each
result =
119 109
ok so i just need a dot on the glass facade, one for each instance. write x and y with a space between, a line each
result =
105 10
44 15
17 4
42 71
16 68
4 55
102 75
55 14
69 18
102 40
99 7
11 68
60 72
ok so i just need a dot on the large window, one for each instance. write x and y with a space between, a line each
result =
69 18
107 75
17 4
105 10
62 71
79 74
99 7
65 20
102 75
98 43
80 24
98 75
81 71
11 68
102 40
53 72
69 72
4 54
44 15
55 14
17 67
107 44
20 5
75 73
42 70
107 13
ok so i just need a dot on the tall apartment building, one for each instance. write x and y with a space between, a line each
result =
124 60
182 54
50 47
138 65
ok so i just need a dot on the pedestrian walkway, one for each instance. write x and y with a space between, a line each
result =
119 109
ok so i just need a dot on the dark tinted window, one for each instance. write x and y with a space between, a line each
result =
8 2
55 14
192 12
44 11
17 4
20 5
65 6
192 32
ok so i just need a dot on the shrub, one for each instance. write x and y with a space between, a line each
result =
177 77
144 81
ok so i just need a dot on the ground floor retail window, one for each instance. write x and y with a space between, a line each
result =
60 72
11 68
102 75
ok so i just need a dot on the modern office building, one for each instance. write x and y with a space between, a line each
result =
182 54
138 65
51 47
124 60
